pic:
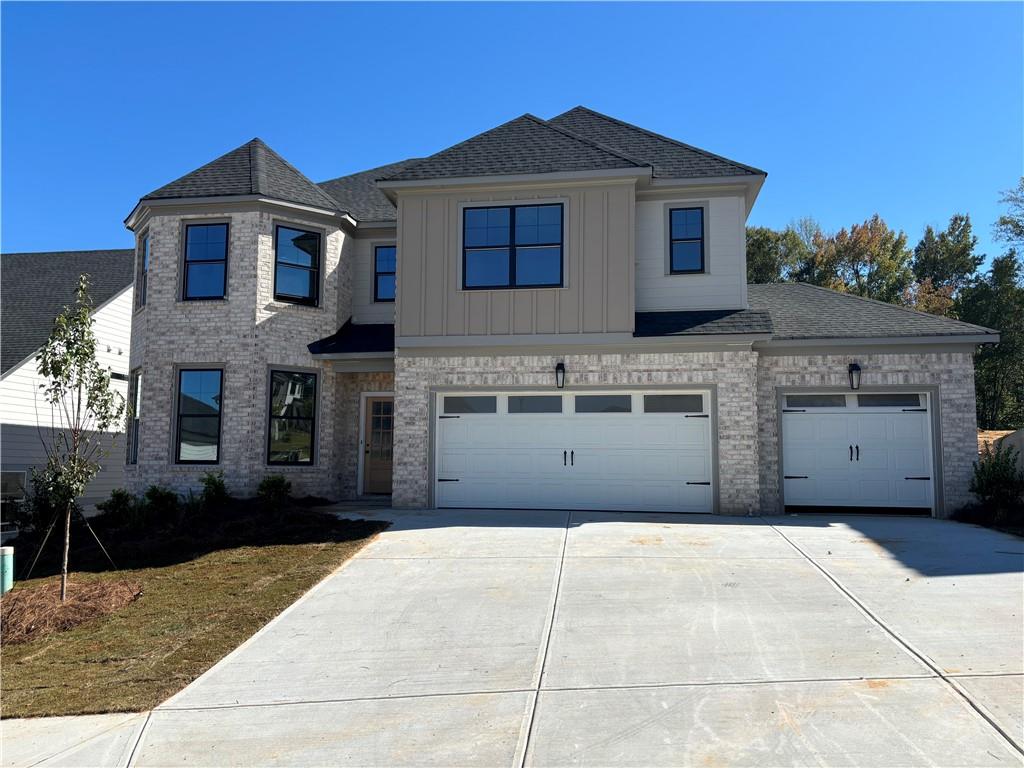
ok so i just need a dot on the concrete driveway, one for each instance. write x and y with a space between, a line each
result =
465 638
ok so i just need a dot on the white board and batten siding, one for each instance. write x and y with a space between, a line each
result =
23 409
724 283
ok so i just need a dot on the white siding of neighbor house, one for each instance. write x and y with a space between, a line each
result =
23 409
723 286
364 308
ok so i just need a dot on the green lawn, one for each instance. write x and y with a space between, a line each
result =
190 614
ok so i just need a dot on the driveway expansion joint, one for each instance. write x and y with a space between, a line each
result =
910 649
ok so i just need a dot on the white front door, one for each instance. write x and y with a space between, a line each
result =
633 451
857 450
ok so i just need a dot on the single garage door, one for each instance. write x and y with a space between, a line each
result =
857 450
633 451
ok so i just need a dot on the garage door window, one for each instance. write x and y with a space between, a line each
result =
457 405
673 403
889 400
815 401
603 404
534 404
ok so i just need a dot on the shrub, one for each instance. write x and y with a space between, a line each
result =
999 484
42 504
122 509
274 492
162 506
215 492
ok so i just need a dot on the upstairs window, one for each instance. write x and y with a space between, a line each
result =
296 266
384 263
142 283
686 235
206 261
292 417
518 246
199 406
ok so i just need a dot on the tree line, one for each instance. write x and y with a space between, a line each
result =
942 275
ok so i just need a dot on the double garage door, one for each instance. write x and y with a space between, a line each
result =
632 451
857 450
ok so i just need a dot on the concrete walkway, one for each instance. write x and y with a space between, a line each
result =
466 638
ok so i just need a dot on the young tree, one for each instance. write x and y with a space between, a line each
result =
996 300
947 259
79 393
1010 226
869 260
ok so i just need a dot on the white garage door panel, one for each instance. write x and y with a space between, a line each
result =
622 461
857 457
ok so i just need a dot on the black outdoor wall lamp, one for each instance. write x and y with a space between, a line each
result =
854 373
560 375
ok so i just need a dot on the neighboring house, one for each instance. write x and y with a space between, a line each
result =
36 287
551 314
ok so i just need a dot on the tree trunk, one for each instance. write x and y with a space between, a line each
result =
67 546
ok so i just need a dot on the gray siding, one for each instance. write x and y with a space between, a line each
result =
598 296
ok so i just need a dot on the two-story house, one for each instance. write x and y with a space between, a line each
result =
551 314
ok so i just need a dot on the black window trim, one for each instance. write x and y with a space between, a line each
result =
311 419
703 236
376 273
512 285
177 417
185 262
132 436
288 298
142 271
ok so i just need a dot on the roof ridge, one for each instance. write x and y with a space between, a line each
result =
661 137
573 135
368 170
459 144
327 199
900 307
254 172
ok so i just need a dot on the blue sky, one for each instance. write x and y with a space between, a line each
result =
913 111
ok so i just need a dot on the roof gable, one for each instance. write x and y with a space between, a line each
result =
358 193
670 158
35 288
251 169
526 145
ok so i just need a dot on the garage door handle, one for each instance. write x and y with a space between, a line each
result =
704 482
698 416
447 479
447 417
564 456
794 410
915 410
858 453
572 458
794 477
851 453
917 478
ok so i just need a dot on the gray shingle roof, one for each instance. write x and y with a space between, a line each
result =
35 288
522 146
252 169
670 158
702 323
803 311
358 193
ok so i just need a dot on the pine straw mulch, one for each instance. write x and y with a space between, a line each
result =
34 612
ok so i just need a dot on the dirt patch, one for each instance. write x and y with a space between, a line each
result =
34 612
647 541
986 437
877 684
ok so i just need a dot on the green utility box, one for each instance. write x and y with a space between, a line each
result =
6 569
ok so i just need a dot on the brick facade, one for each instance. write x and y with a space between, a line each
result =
732 374
247 334
952 373
350 388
